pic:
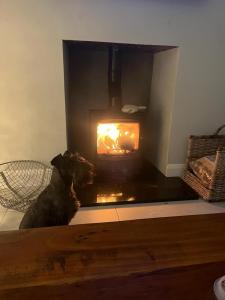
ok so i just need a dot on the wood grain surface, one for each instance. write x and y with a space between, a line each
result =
166 258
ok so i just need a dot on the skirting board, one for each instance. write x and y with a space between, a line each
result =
175 170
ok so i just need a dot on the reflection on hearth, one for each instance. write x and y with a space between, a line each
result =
113 197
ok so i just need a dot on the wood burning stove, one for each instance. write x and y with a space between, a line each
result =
117 134
116 143
118 147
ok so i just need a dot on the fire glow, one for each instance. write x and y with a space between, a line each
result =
117 138
114 197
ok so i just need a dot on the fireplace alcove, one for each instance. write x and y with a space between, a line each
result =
100 78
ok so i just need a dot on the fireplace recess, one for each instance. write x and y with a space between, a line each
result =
100 79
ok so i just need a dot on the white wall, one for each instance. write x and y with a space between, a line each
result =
162 95
32 123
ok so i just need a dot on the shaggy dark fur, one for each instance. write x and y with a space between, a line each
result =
58 203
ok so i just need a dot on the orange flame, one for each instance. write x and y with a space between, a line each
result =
117 138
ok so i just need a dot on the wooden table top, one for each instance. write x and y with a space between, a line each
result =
165 258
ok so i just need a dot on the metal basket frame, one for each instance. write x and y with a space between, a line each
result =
21 182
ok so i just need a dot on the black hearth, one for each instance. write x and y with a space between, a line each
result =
148 186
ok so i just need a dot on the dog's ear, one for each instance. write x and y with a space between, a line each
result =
57 161
68 154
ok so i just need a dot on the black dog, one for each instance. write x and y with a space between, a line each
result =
58 203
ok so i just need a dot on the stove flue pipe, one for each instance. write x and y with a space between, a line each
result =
114 78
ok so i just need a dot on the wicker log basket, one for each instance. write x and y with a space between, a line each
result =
201 146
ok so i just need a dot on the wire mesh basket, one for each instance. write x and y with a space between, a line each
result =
21 182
